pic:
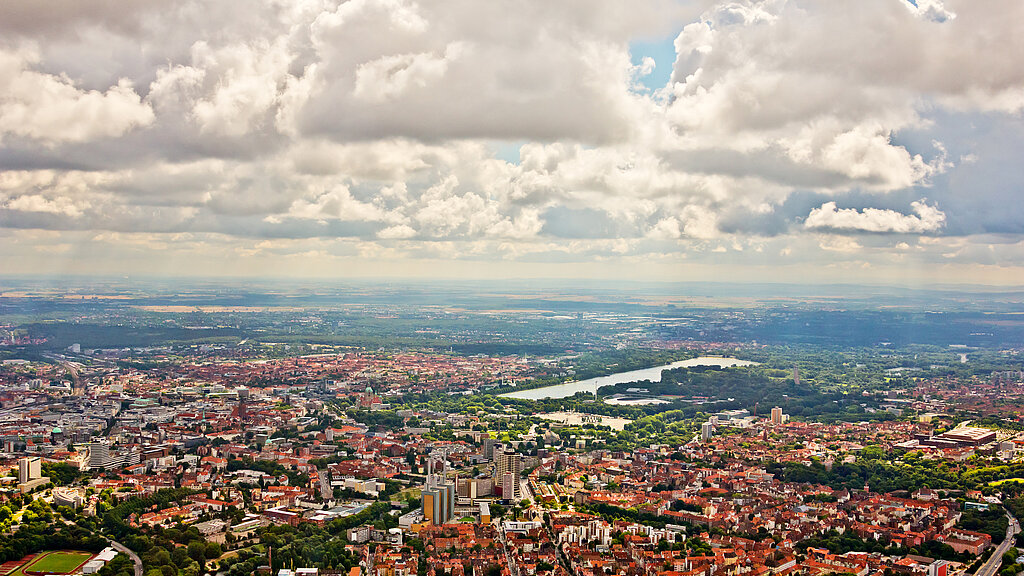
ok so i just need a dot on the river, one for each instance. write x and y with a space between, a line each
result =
592 384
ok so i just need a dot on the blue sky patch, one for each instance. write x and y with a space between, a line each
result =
663 52
507 150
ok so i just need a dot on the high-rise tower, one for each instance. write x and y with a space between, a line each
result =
508 466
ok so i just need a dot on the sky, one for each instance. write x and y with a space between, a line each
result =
868 141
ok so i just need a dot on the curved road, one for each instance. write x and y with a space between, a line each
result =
135 557
119 547
996 560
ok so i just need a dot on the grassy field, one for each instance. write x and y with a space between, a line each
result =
1006 480
54 563
405 494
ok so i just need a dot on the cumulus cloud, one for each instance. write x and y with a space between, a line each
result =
51 109
36 203
798 76
337 204
397 232
247 85
840 244
926 218
389 77
393 129
932 10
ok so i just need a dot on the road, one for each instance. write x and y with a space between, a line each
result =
996 560
135 557
503 539
116 546
524 488
72 371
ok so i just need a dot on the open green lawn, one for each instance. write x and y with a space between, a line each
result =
1006 480
55 563
405 494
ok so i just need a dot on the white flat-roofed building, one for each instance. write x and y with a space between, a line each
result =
969 435
29 469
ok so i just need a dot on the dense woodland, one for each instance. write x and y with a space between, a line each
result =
42 529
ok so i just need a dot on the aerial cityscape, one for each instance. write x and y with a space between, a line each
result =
370 429
529 288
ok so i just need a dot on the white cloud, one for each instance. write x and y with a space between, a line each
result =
840 244
248 79
37 203
335 204
666 229
700 223
932 10
396 232
51 109
389 77
926 218
374 124
866 152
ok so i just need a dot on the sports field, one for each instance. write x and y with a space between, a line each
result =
63 562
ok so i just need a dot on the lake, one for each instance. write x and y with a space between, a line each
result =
592 384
